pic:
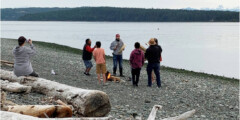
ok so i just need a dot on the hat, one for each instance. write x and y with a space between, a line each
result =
117 35
152 42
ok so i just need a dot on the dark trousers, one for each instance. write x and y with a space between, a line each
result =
117 59
34 74
135 75
156 68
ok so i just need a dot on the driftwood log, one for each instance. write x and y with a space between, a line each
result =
42 111
14 87
11 64
152 115
183 116
88 103
15 116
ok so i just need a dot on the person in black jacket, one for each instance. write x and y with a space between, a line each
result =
153 54
87 56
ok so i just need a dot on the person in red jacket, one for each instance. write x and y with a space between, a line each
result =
87 56
136 62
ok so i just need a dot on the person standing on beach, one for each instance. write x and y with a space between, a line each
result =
153 56
99 57
87 56
117 55
22 55
156 41
136 62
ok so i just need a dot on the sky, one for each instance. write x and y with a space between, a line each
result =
170 4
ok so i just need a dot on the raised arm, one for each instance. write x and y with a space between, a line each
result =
32 50
89 49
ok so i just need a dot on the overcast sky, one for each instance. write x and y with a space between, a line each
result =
172 4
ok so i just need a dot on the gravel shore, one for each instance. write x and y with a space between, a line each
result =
214 97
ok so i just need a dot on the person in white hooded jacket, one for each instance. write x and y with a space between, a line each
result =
22 56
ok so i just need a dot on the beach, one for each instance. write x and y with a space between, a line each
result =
213 97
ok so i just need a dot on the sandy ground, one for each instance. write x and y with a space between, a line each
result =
214 97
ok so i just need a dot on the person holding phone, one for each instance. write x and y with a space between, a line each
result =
22 56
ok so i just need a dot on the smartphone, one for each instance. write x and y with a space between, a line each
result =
27 40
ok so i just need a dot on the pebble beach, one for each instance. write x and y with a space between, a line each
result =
213 97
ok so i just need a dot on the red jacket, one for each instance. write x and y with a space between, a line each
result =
137 58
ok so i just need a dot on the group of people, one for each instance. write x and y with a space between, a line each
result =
23 67
137 58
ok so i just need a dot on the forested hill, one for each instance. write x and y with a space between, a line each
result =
131 15
16 13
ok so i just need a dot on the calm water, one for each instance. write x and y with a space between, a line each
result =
202 47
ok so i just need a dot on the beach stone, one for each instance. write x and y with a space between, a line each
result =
147 101
205 101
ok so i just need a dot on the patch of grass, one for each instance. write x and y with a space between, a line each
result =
59 47
53 46
188 72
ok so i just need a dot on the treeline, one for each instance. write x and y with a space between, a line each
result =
132 15
11 14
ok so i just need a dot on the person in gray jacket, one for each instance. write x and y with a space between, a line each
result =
22 55
117 55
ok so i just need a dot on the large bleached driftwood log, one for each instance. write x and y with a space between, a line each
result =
14 87
15 116
88 103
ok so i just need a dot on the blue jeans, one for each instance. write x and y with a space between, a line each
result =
117 59
156 68
88 63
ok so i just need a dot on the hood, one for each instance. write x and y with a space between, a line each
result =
137 52
18 49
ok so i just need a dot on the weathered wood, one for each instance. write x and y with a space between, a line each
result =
143 48
14 87
122 48
183 116
6 62
113 78
4 103
59 111
15 116
42 111
152 115
89 103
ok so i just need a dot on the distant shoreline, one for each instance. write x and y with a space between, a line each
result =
178 70
118 14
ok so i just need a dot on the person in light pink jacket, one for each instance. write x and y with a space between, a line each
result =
136 62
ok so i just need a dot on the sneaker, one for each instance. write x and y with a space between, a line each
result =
85 73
